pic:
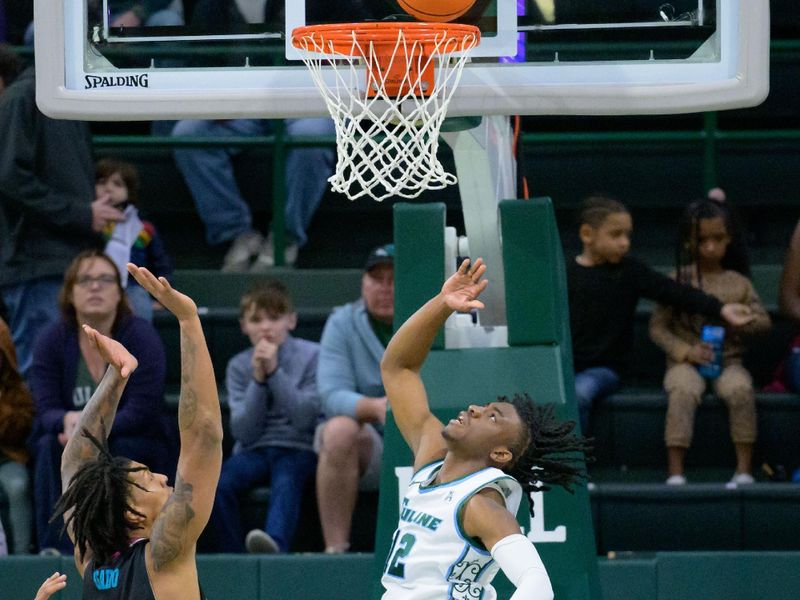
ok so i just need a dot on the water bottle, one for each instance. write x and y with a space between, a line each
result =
714 336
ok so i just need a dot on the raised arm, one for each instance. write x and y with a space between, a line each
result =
98 415
407 351
97 418
186 513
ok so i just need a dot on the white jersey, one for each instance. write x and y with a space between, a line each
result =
431 557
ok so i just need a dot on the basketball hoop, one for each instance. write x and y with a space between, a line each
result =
387 89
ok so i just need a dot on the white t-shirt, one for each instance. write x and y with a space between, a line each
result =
431 558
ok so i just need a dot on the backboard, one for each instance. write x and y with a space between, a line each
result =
556 57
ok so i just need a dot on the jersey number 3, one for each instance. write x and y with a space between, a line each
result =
396 566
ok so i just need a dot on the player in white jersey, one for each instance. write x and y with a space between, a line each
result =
457 523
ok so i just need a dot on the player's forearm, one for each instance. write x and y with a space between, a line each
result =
412 342
198 410
97 418
521 563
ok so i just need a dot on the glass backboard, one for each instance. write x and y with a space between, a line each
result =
555 57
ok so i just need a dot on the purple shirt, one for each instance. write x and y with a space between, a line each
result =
55 368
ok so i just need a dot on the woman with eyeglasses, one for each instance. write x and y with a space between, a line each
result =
66 371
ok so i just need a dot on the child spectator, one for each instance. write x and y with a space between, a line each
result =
706 259
604 287
16 420
274 410
131 240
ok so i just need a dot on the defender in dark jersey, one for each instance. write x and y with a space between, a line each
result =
134 535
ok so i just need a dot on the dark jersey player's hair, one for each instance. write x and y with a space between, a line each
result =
549 452
99 497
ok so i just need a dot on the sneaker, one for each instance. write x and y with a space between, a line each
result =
260 542
243 249
742 479
676 480
266 257
49 552
337 549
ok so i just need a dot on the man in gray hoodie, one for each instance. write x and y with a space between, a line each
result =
274 409
353 399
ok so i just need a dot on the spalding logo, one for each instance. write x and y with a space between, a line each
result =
107 81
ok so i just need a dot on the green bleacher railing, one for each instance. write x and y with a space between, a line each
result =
708 134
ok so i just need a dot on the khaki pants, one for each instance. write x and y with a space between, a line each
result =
685 387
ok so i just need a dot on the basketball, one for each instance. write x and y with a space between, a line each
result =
436 10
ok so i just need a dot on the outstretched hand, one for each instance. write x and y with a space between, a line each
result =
177 303
114 353
461 290
51 585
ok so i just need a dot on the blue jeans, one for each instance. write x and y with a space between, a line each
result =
159 18
140 301
209 174
591 384
286 470
32 306
14 482
793 370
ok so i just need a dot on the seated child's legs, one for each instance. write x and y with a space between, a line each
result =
591 384
684 387
291 471
735 388
793 371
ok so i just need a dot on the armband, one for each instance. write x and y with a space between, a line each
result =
520 561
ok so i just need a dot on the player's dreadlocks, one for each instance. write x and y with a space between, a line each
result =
98 495
553 453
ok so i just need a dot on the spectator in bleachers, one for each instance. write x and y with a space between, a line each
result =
227 217
16 419
129 13
132 239
209 173
134 13
274 409
48 208
787 376
707 261
353 399
605 285
67 369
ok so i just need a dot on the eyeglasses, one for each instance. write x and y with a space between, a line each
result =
86 281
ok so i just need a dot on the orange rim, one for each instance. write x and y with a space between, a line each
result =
396 78
339 36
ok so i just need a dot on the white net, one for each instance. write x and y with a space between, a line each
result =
388 99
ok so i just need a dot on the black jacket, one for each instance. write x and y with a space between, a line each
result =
46 187
602 306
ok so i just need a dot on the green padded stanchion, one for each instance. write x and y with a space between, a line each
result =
419 258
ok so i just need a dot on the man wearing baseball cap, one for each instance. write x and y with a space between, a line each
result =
350 442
